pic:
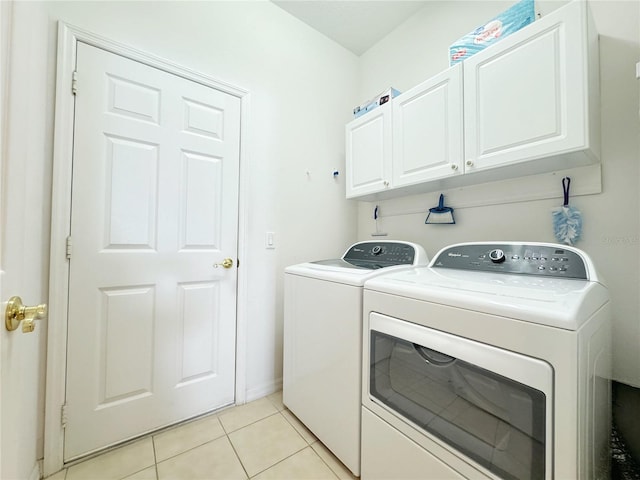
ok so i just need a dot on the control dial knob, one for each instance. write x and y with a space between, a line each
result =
497 256
376 250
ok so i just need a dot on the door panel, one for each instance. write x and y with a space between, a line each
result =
427 130
368 152
154 206
198 335
131 194
200 200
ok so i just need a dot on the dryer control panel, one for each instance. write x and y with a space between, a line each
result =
547 260
380 254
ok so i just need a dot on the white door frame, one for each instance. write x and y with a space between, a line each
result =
5 28
68 36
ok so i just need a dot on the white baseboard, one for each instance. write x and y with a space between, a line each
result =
36 473
263 390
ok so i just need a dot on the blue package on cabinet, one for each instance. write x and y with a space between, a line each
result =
380 99
508 22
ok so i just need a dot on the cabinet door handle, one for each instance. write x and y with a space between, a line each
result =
469 163
385 183
454 167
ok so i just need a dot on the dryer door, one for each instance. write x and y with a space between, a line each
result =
491 405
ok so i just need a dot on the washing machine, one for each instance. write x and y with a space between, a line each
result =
492 362
323 339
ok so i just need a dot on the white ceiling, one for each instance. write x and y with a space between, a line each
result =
356 24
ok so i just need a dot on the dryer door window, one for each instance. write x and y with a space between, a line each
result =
492 419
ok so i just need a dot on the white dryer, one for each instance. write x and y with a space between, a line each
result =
493 362
323 339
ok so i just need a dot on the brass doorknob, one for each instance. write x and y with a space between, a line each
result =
16 312
226 263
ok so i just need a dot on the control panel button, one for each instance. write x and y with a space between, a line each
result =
376 250
497 256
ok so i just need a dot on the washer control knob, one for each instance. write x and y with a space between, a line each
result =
497 256
376 250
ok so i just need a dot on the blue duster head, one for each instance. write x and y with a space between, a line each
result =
567 224
567 220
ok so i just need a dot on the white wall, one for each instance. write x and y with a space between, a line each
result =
418 49
302 88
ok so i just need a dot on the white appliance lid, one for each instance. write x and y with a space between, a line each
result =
371 258
468 276
337 274
559 303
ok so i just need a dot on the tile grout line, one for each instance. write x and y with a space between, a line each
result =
190 448
286 458
310 444
236 453
248 424
225 434
324 461
155 456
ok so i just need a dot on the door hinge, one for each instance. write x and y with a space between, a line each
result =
74 82
69 247
63 415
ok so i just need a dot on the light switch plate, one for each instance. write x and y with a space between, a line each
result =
269 240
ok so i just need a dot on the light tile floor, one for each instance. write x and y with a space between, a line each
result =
261 440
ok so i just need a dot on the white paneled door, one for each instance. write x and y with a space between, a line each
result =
151 328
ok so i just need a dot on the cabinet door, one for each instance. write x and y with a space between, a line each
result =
526 97
368 155
427 130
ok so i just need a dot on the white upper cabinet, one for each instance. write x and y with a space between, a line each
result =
368 152
415 138
529 104
529 96
427 130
